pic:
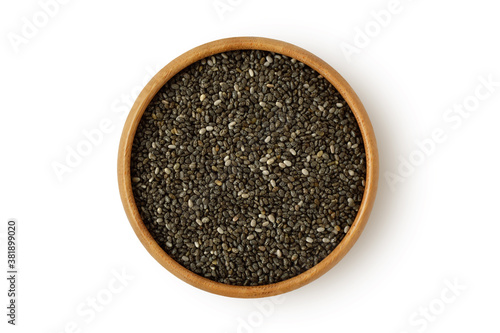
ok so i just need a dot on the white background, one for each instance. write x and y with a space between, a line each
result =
438 225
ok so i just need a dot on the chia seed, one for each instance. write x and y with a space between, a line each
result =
250 170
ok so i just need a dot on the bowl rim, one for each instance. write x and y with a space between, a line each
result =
232 44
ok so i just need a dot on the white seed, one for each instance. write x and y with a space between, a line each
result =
287 163
205 220
250 71
217 102
309 240
305 172
270 161
278 253
278 104
250 237
197 244
253 223
203 130
332 149
350 172
273 183
202 97
220 231
269 59
245 195
171 146
293 152
227 163
263 104
282 165
326 240
209 128
320 229
271 218
339 105
231 124
198 221
346 229
265 173
267 139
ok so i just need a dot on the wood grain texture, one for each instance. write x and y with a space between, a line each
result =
203 51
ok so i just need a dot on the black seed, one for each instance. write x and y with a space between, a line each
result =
248 168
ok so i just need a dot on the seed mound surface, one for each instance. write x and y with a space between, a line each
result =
248 167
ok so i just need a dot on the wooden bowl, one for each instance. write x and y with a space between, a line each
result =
159 80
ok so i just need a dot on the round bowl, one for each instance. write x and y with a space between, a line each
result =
159 80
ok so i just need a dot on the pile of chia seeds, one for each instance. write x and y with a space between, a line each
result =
248 167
